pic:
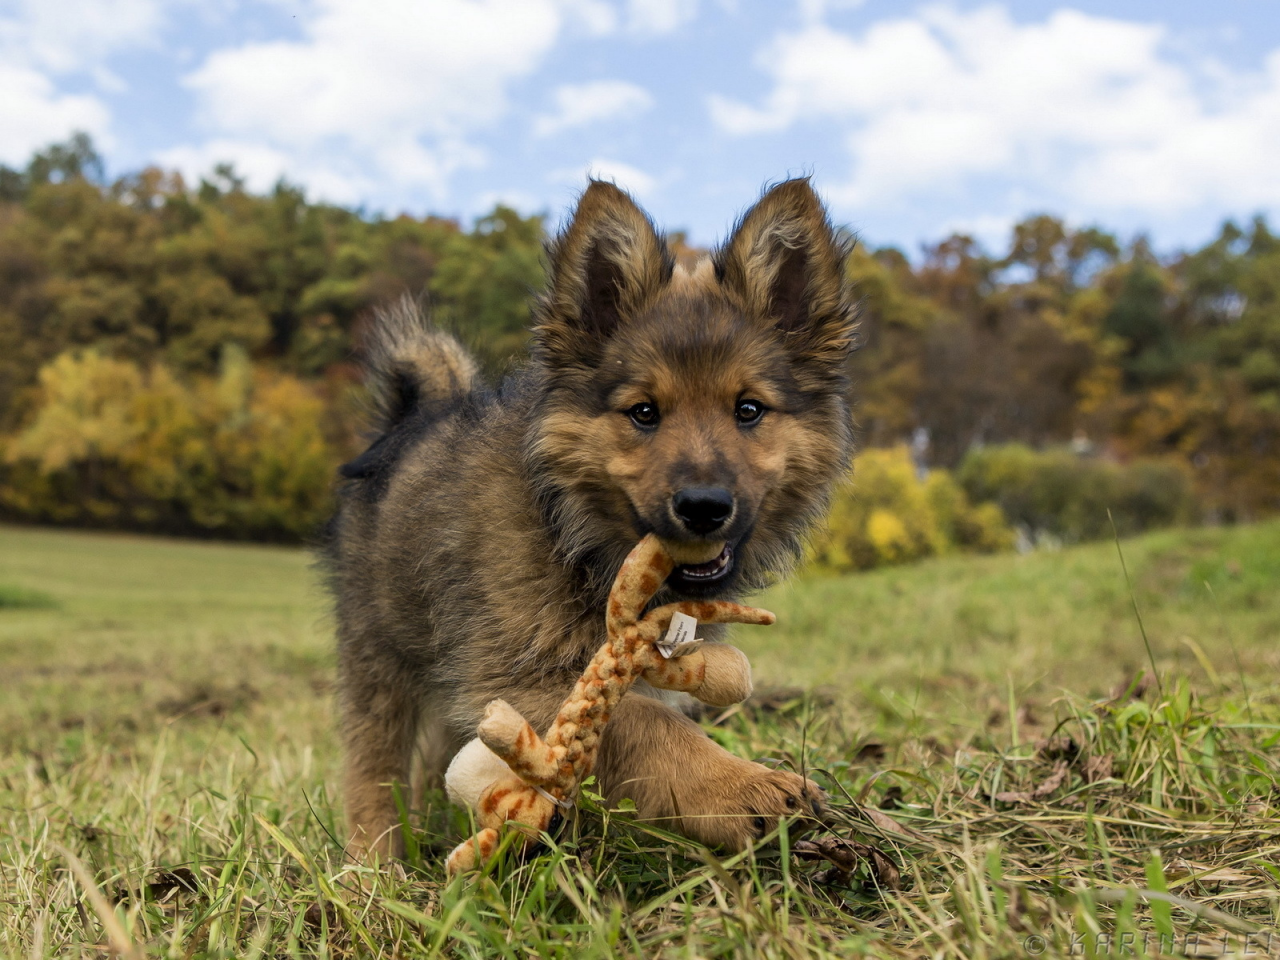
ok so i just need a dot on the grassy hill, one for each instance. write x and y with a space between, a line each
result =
167 722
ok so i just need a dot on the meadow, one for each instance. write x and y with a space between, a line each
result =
1007 776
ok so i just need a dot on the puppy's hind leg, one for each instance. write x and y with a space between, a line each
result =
380 717
432 751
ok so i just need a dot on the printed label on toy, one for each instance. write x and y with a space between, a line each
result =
680 638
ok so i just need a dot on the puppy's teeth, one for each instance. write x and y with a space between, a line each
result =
710 569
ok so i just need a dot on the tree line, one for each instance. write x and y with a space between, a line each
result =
221 320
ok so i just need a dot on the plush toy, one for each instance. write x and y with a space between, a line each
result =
509 774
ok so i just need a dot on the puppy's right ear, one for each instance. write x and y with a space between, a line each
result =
606 265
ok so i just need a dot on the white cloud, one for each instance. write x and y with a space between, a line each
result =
583 103
33 114
632 179
645 17
629 178
659 16
69 36
261 166
386 93
41 40
378 99
339 179
599 17
811 10
991 231
365 69
1090 114
527 203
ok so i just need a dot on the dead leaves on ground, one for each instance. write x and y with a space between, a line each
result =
844 857
1066 755
209 700
1046 788
164 887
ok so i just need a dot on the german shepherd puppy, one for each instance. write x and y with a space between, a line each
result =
478 536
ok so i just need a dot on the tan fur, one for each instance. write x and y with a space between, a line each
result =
478 538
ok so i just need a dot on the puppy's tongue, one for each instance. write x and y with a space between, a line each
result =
696 554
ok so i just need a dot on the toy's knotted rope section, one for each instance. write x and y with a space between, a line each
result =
559 762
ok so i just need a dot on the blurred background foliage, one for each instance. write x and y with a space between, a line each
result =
180 358
892 511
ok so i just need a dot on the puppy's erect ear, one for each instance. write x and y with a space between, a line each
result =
786 264
604 267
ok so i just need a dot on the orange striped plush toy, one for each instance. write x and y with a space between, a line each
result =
511 775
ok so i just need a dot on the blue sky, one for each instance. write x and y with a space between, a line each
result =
914 119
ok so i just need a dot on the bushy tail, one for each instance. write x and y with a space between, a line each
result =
413 366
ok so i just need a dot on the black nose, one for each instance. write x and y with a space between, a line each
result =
703 509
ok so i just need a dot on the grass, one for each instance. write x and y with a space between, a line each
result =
17 598
1008 781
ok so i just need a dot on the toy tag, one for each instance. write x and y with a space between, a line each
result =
680 639
565 804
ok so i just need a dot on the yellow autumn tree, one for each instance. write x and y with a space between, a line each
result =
111 443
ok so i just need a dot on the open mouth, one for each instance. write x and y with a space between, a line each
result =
714 569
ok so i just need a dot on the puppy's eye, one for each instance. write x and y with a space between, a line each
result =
749 411
644 414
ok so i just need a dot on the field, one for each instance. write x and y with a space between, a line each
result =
1012 779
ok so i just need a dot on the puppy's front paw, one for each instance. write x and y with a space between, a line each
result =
744 803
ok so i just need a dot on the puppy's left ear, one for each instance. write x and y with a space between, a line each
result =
786 264
605 267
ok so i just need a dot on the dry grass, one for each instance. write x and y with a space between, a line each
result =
168 770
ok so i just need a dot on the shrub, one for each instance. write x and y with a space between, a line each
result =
887 514
112 444
1061 493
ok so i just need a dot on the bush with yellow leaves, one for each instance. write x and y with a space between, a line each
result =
888 514
111 443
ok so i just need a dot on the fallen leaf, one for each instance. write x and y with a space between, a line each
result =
1050 784
317 914
885 871
1058 748
886 823
1013 796
1098 768
870 752
165 886
844 854
844 857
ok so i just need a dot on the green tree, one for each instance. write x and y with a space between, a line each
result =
484 280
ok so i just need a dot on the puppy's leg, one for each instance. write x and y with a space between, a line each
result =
682 780
433 749
380 715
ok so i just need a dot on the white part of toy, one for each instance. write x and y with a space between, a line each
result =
472 769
